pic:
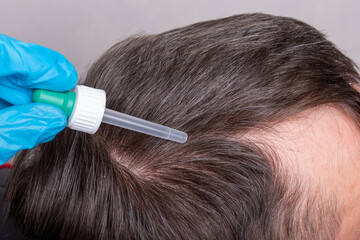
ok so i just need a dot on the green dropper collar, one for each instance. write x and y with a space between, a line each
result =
63 100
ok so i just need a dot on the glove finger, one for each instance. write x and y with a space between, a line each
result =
4 104
33 66
14 95
26 126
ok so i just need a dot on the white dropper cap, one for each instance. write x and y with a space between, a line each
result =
88 109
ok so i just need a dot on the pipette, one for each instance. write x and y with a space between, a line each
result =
85 108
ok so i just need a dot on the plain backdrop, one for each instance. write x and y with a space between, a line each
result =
83 29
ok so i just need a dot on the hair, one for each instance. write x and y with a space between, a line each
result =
215 80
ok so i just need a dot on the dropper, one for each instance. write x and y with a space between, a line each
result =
85 108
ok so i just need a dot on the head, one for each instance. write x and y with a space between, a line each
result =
272 114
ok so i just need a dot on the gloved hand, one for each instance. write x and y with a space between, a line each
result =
23 67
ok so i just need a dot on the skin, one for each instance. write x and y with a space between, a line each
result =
322 148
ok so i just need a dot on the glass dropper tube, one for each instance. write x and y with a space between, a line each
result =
143 126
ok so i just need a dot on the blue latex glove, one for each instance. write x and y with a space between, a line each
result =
23 67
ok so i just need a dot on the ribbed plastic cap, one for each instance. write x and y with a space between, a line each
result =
88 109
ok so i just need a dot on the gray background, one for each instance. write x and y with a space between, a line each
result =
83 29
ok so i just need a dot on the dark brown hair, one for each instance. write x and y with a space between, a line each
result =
214 80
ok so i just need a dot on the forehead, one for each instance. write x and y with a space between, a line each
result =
324 140
321 148
322 134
